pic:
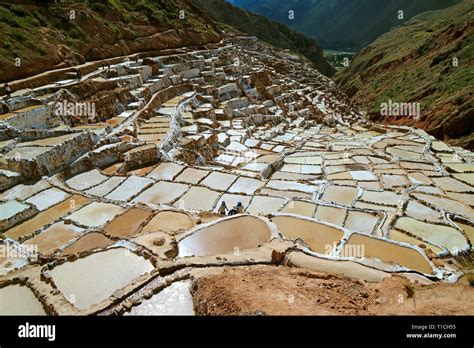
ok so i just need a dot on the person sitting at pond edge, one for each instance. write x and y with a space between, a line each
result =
239 208
223 208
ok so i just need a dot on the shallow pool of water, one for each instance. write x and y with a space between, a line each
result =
319 237
94 278
242 232
175 299
19 300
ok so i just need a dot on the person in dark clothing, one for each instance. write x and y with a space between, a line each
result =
239 208
78 75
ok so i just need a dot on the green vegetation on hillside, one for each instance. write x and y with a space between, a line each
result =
266 30
342 24
46 33
429 60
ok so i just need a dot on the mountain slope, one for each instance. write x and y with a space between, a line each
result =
266 30
417 63
342 24
44 34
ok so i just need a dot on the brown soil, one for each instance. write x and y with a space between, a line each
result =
272 290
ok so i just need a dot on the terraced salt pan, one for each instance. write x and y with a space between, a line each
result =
300 208
106 187
11 208
319 237
304 160
86 180
128 223
223 236
403 154
361 222
362 175
175 299
219 181
46 217
192 175
198 198
47 198
54 237
90 241
387 252
288 185
403 237
22 191
449 205
19 300
383 198
422 212
467 198
166 171
162 193
332 215
129 188
94 278
450 184
263 205
437 234
168 221
343 195
95 214
246 185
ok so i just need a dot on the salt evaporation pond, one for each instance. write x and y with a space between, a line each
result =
94 278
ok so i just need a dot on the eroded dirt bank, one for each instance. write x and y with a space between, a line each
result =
271 290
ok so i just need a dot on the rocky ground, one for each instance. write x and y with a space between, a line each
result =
116 211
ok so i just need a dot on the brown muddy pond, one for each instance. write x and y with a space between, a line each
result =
242 232
317 236
387 252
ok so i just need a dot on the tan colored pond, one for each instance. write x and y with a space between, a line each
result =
437 234
192 175
175 299
46 217
242 232
96 214
128 223
162 193
333 215
387 252
318 237
90 241
198 198
343 195
262 205
19 300
361 222
92 279
246 185
403 237
54 237
219 181
168 221
166 171
300 208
